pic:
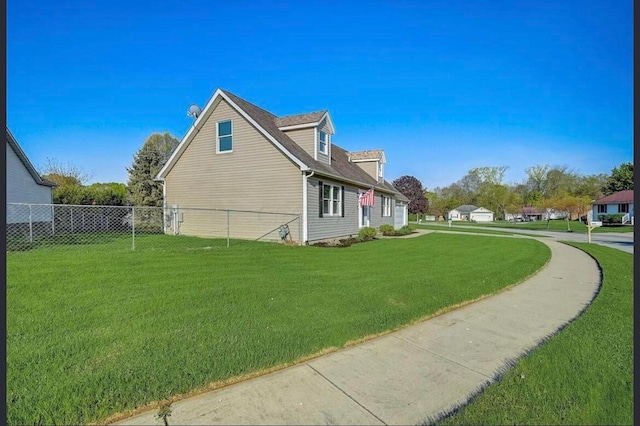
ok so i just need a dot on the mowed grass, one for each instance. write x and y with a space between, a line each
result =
555 225
583 375
475 230
93 331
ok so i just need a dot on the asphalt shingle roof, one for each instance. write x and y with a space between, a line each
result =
373 154
619 197
340 168
293 120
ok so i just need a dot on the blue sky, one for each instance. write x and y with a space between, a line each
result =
441 86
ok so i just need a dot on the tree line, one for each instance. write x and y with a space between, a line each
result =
545 187
140 190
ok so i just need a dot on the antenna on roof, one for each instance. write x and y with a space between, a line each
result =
194 111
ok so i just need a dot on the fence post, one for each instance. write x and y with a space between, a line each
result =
71 214
30 226
227 228
133 227
53 220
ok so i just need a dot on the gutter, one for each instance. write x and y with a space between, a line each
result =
305 214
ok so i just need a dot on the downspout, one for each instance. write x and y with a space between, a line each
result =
305 216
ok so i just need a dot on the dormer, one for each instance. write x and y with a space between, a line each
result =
371 161
312 131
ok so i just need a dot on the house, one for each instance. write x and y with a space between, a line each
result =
470 212
238 156
25 186
530 214
619 202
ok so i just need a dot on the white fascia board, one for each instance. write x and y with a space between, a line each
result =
329 122
186 140
366 160
197 125
266 134
300 126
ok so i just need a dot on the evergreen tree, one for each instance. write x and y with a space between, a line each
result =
621 178
146 164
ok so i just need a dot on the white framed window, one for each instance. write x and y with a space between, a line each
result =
623 208
322 142
224 136
386 206
380 170
331 200
602 208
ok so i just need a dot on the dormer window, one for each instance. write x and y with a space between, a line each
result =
380 171
322 142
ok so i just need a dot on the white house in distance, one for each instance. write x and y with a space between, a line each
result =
25 185
470 212
619 202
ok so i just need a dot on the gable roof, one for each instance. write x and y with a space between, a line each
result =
625 196
372 154
306 118
466 208
267 124
13 143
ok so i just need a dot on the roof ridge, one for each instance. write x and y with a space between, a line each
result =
226 92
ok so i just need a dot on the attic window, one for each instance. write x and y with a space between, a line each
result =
322 142
225 136
380 173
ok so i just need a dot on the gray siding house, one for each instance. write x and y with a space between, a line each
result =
238 156
25 185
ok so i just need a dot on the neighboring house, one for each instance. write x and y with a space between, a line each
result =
238 156
530 214
620 202
25 185
471 213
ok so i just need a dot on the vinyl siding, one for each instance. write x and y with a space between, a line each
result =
371 167
21 188
304 138
331 226
325 158
256 176
376 219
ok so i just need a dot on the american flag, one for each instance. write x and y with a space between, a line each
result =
368 198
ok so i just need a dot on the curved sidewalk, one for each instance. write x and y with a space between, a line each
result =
414 374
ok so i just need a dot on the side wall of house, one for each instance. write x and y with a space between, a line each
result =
21 188
371 167
304 138
255 176
337 226
331 226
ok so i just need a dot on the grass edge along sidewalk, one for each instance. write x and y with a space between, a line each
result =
581 375
87 337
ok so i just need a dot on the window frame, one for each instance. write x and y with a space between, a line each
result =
386 206
623 208
602 208
325 142
333 202
218 137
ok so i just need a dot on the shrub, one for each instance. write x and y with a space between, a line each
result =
368 233
386 229
610 219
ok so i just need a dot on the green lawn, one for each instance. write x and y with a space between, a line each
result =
97 330
584 374
541 225
475 230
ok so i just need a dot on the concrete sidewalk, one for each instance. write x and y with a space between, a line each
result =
412 375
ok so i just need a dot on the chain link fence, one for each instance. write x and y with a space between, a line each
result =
59 225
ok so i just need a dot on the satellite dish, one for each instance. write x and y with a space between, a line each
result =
194 111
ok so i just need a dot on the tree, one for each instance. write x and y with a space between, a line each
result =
621 178
147 162
412 188
64 174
